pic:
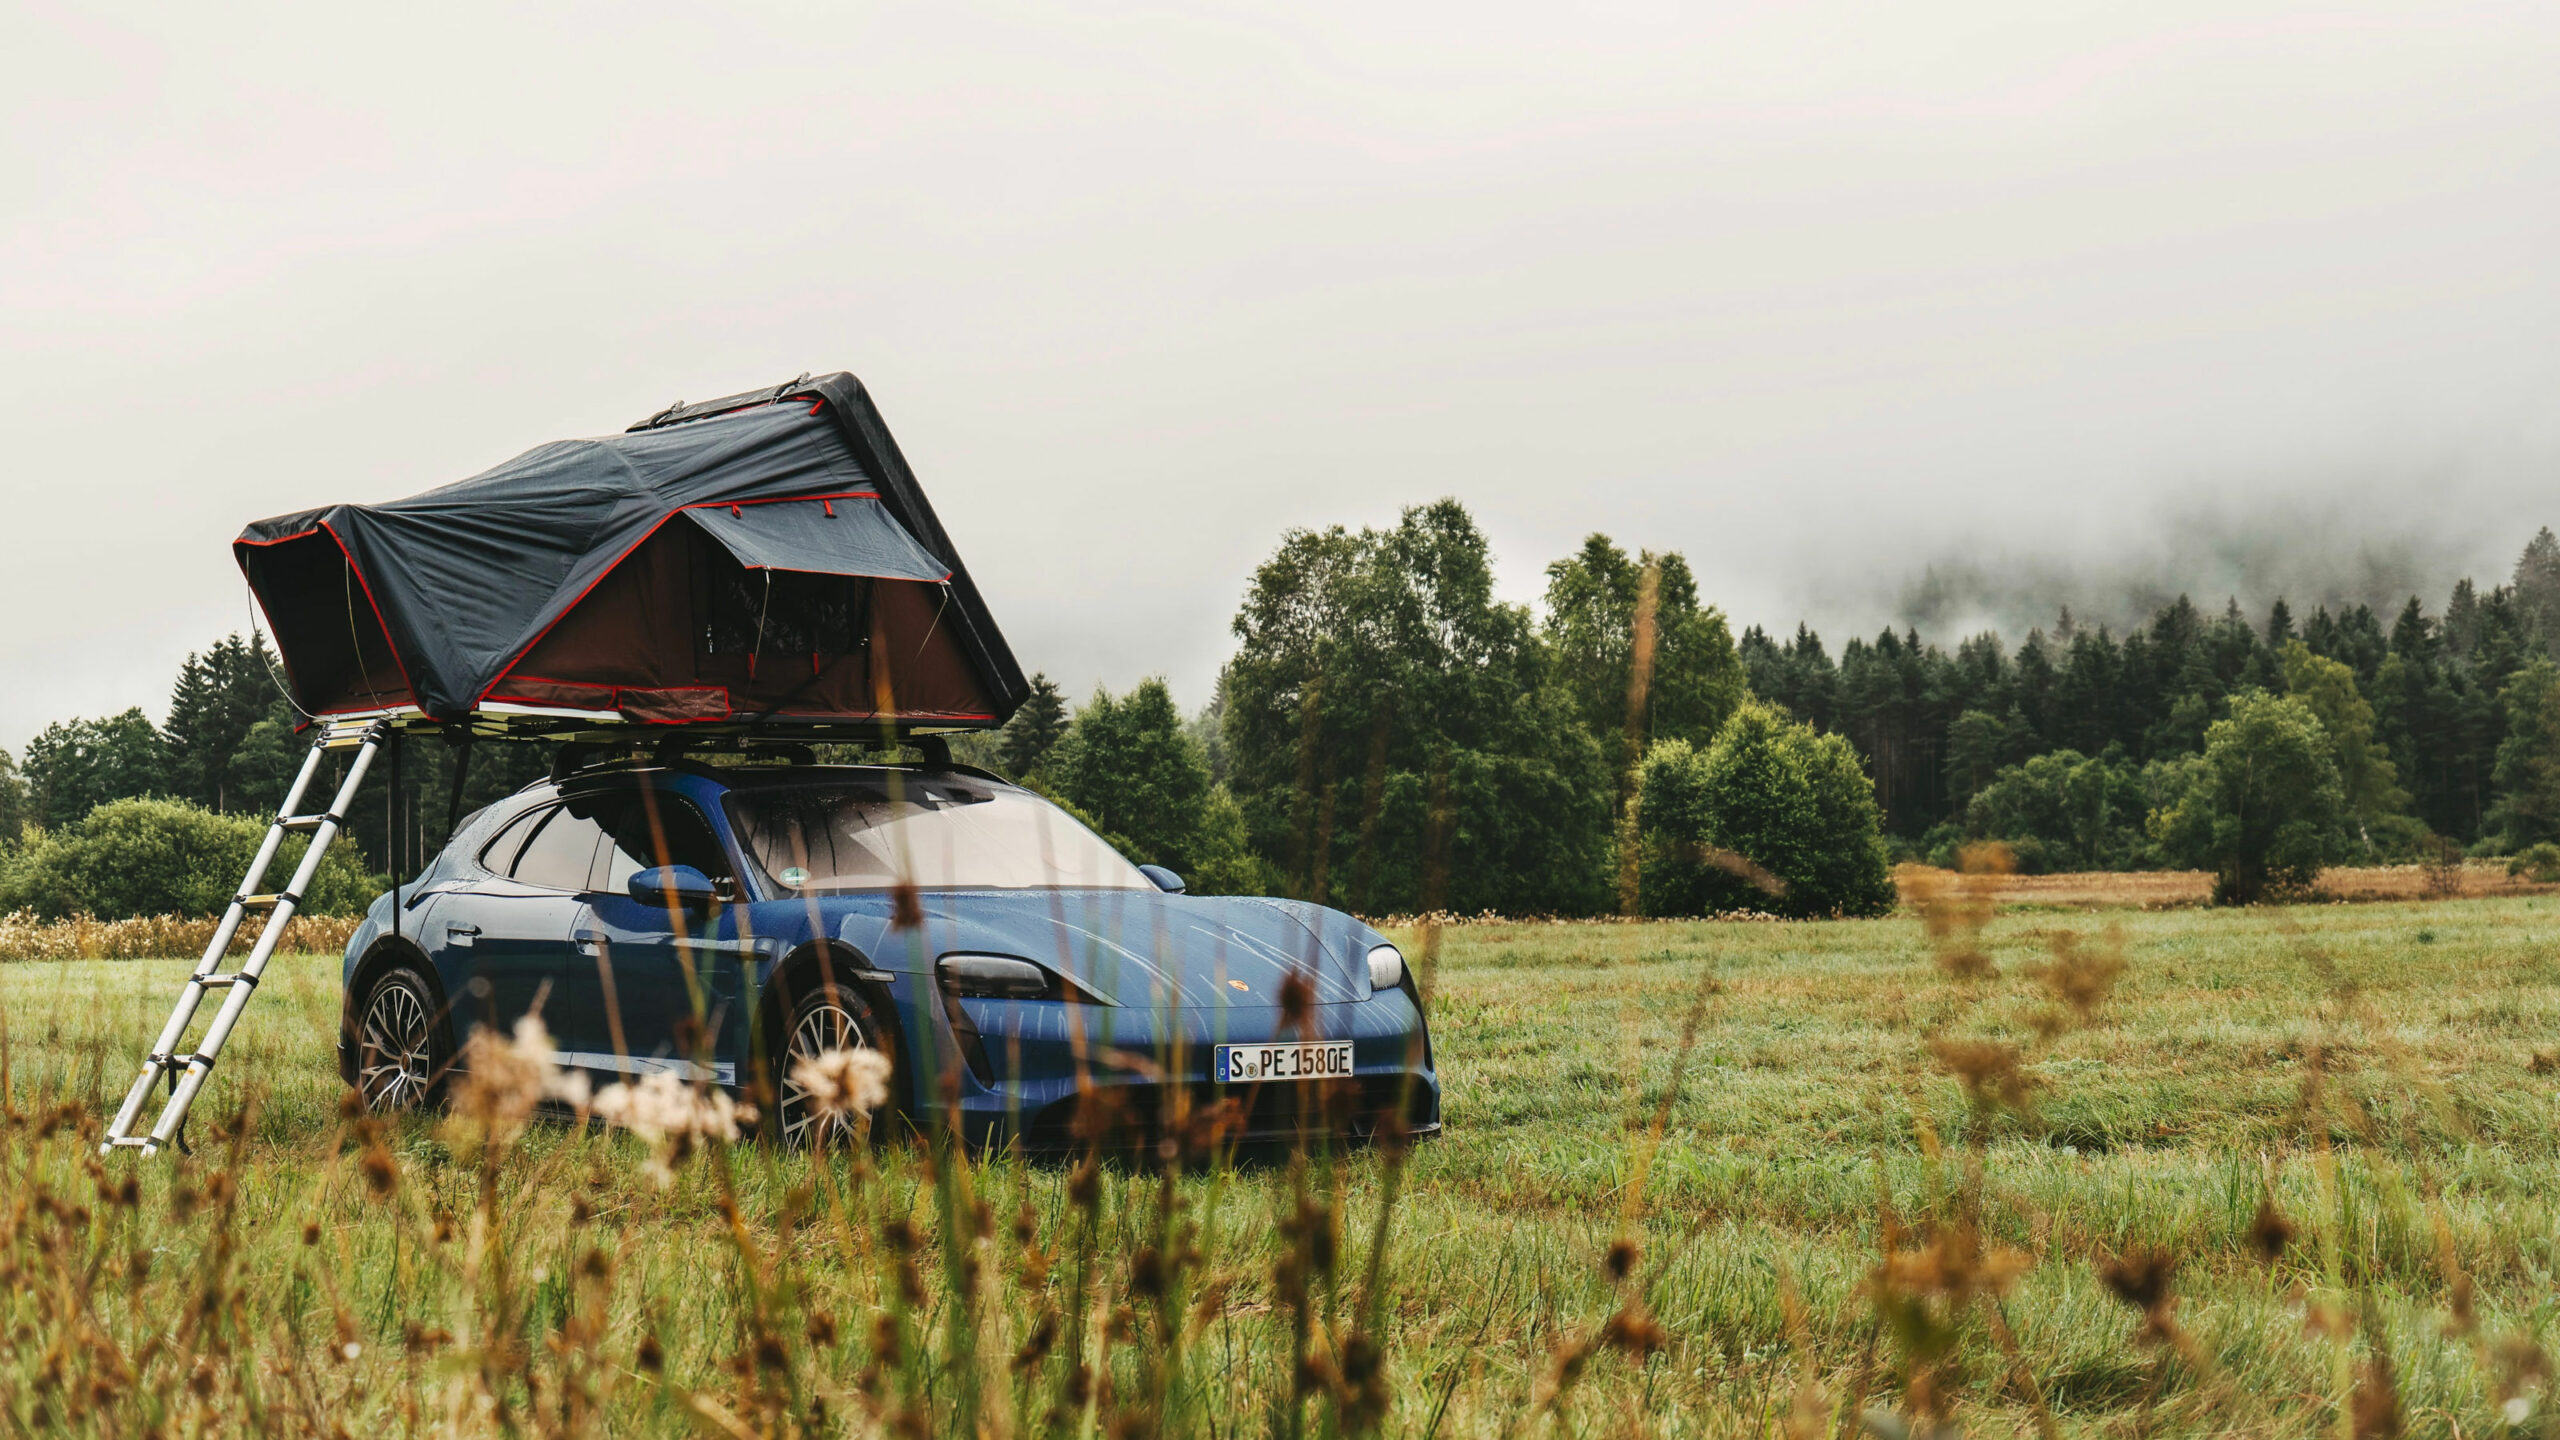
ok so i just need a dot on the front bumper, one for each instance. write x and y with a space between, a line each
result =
1051 1077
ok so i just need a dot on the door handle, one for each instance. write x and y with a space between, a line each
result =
455 934
587 941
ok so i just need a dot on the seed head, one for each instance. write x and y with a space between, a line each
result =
1634 1331
906 911
2083 975
503 1079
844 1082
2374 1411
2140 1278
671 1116
2270 1232
381 1172
1988 1070
1297 997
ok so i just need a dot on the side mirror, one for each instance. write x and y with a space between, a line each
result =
1166 880
672 886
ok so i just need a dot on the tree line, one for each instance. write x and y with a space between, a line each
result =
2440 726
1390 736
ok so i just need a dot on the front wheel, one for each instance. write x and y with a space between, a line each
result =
827 1025
399 1058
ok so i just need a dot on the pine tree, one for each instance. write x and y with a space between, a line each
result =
1036 728
2461 628
218 697
2279 625
2411 634
2537 590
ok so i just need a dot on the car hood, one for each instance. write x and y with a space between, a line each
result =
1129 947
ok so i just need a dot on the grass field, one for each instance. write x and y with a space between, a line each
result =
1880 1186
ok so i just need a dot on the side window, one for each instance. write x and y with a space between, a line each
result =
499 855
682 835
560 853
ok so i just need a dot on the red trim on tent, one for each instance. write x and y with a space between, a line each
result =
527 647
296 535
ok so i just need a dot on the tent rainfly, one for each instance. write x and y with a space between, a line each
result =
765 559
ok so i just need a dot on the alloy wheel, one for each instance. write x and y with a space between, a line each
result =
392 1057
820 1028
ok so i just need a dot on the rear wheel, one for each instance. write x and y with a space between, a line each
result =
399 1057
809 1112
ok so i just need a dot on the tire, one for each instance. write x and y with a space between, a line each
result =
401 1052
820 1020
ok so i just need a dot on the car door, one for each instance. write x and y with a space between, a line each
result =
644 966
524 919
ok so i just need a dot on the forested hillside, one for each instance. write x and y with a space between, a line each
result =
1390 736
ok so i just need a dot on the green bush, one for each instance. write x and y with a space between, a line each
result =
2540 862
2262 807
1771 816
2066 811
166 857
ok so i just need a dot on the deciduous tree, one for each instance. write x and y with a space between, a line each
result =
1771 816
74 766
2262 807
2365 774
1696 678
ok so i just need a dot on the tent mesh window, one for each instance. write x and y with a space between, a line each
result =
780 612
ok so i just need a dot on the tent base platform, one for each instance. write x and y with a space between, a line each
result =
524 722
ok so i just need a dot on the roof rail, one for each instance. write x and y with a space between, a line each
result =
582 757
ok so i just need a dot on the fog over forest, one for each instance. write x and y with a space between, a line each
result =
2336 546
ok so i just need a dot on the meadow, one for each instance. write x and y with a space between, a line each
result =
2003 1170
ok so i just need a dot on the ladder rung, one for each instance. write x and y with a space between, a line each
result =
267 902
132 1142
307 822
224 982
180 1062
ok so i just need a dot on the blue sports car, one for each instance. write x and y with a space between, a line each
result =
1027 983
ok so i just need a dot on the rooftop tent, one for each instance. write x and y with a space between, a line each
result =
767 557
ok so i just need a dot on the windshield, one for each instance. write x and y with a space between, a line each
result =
945 832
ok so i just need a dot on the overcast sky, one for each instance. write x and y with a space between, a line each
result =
1827 297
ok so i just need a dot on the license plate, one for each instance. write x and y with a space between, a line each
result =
1284 1062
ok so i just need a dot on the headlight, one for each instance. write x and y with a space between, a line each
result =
993 977
1006 977
1386 967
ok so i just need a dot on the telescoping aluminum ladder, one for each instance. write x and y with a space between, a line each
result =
187 1071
